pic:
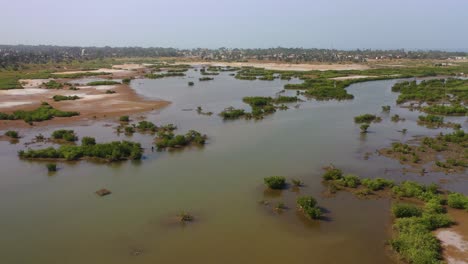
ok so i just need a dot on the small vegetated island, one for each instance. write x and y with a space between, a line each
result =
261 106
414 223
89 149
449 151
42 113
442 96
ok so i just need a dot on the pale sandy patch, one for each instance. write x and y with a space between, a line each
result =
352 77
32 83
285 66
128 66
95 71
98 87
451 238
85 97
15 103
27 91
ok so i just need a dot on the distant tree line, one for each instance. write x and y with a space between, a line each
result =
15 55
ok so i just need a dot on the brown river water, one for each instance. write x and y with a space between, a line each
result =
59 219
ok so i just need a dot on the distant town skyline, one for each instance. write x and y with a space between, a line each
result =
338 24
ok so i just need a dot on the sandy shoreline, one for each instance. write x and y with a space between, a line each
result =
94 102
455 239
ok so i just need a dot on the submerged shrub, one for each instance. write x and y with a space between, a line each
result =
332 174
275 182
308 205
365 118
88 141
67 135
377 183
51 167
12 134
124 118
351 181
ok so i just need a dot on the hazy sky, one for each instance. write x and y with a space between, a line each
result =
343 24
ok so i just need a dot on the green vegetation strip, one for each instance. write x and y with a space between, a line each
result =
413 238
42 113
113 151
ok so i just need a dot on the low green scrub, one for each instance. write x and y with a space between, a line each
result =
164 75
42 113
96 83
454 109
457 200
232 113
63 134
58 98
167 139
308 205
365 118
51 167
350 181
386 108
413 189
146 126
332 173
275 182
124 118
52 84
433 119
202 79
401 210
12 134
113 151
88 141
377 183
79 75
414 241
432 91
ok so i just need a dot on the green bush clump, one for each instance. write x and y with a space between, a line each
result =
332 174
58 98
275 182
146 126
377 183
232 113
434 206
88 141
124 118
67 135
351 181
12 134
110 92
386 108
413 189
455 109
191 83
433 119
364 128
365 118
95 83
127 81
51 167
113 151
167 139
308 205
401 210
43 112
205 79
52 84
163 75
457 200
